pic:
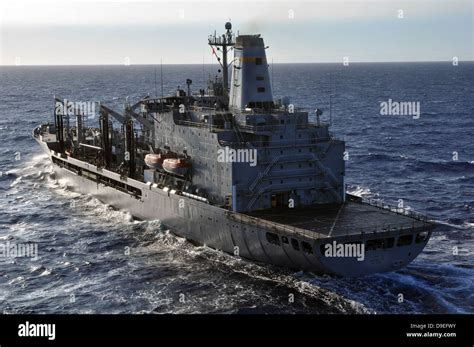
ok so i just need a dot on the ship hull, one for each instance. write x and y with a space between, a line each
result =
210 225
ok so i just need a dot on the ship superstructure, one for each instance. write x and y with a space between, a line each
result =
231 167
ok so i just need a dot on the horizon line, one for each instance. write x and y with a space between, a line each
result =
211 64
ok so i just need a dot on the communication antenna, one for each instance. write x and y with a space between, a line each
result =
223 43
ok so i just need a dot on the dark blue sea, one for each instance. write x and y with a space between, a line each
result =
81 266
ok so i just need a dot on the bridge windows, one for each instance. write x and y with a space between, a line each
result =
261 104
284 239
258 61
261 90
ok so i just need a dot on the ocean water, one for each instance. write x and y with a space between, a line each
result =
82 266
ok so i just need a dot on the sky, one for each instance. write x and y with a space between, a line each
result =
84 32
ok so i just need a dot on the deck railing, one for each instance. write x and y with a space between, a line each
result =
395 209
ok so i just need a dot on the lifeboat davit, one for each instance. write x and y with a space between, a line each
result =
177 166
155 161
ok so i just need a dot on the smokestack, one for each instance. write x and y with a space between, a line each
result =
250 85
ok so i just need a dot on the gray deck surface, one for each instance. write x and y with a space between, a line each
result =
348 219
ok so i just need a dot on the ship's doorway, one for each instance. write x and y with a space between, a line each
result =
280 199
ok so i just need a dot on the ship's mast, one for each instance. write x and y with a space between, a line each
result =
223 42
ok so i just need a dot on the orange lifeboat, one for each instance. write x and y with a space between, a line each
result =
155 161
177 166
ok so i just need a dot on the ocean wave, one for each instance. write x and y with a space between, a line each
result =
82 240
297 283
362 192
456 224
377 157
442 166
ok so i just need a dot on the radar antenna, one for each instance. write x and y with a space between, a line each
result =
223 42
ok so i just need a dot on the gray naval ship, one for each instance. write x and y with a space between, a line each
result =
231 168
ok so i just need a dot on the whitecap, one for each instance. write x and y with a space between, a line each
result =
46 272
